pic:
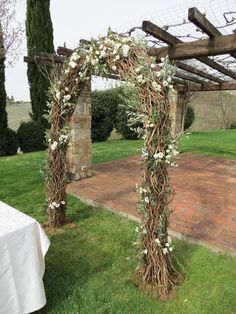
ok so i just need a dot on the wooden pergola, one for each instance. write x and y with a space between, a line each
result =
190 59
188 76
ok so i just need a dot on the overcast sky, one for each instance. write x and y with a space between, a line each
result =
74 19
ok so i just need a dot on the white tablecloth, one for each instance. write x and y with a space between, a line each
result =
23 245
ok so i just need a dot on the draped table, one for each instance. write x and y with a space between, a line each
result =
23 245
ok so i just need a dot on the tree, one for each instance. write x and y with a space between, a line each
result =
189 118
10 40
3 113
226 113
39 32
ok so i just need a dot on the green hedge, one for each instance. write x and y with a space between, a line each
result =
109 109
12 143
104 110
31 136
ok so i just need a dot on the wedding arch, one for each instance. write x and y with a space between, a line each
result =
132 61
127 58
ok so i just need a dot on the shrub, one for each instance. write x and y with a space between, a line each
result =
104 109
233 125
31 136
122 126
189 118
129 101
12 143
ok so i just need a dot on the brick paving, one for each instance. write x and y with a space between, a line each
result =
204 205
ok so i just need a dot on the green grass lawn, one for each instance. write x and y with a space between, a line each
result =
88 267
214 143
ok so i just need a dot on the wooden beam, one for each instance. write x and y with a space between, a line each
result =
30 60
159 33
209 87
198 48
51 57
218 67
63 51
198 19
166 37
189 77
191 69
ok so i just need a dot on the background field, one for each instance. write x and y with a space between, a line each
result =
207 108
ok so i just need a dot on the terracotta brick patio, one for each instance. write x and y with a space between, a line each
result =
204 205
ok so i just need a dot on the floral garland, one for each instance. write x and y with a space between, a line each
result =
127 58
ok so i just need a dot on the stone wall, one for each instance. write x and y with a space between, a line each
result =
79 152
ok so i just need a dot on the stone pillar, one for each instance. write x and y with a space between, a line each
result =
176 111
79 152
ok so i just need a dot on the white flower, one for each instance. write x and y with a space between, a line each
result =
145 252
125 50
170 146
54 203
159 155
66 89
97 52
72 64
74 56
116 48
167 244
153 66
101 47
171 249
49 140
169 79
175 152
58 94
63 202
165 250
140 78
146 200
138 69
163 59
156 86
165 83
117 57
137 229
94 61
114 68
57 205
54 145
157 241
144 231
67 97
103 54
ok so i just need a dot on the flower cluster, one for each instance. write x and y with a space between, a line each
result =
54 205
63 139
53 145
167 248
